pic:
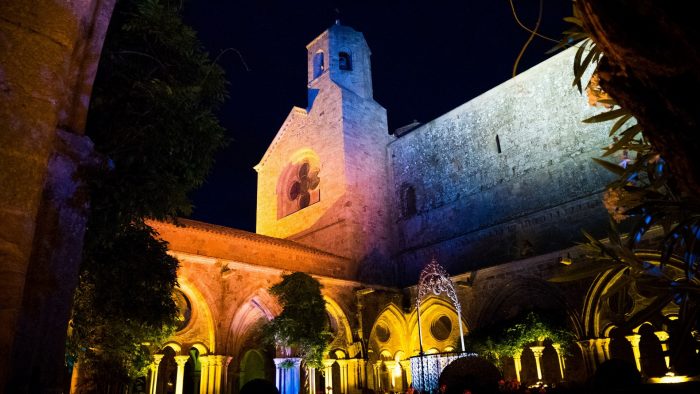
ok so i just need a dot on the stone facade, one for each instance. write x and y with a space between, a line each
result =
342 134
497 190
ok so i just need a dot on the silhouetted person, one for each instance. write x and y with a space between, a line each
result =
259 386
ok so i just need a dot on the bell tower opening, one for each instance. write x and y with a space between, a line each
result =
319 65
344 61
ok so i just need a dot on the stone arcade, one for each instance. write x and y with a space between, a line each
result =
496 189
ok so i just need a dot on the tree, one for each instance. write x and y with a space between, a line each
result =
303 326
651 67
642 86
152 119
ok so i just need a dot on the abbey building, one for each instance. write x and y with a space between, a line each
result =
497 190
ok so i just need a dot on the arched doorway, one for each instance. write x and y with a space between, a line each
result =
254 365
167 372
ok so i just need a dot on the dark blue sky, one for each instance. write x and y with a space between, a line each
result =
427 58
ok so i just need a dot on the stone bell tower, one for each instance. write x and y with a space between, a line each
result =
323 180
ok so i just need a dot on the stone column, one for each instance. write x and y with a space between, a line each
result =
328 376
225 388
181 361
518 365
218 363
361 374
586 346
599 350
406 365
376 375
353 372
294 374
279 374
634 341
606 348
537 351
343 364
663 337
312 380
153 386
287 375
560 358
211 379
391 369
204 374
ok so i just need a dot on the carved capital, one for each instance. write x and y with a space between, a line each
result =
181 360
157 358
634 339
537 350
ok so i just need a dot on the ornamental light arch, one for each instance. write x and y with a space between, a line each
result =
435 280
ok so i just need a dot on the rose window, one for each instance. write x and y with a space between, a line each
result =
298 187
302 188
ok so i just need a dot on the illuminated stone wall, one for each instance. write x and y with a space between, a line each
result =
49 52
226 274
506 175
345 131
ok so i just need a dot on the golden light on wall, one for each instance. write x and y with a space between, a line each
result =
671 378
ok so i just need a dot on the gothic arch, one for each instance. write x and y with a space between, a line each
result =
520 294
201 322
592 325
392 319
433 309
344 334
176 347
260 305
596 314
253 365
201 348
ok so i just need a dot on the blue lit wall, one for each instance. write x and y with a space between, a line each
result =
480 204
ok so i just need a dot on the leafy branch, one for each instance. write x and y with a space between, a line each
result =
645 196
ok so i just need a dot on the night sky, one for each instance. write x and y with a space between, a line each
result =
428 57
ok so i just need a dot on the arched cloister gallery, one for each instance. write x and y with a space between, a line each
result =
611 298
218 349
187 364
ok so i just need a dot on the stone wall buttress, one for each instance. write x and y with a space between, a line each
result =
49 53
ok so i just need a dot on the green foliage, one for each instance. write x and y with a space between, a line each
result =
508 338
587 53
303 323
123 300
152 114
287 364
152 119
